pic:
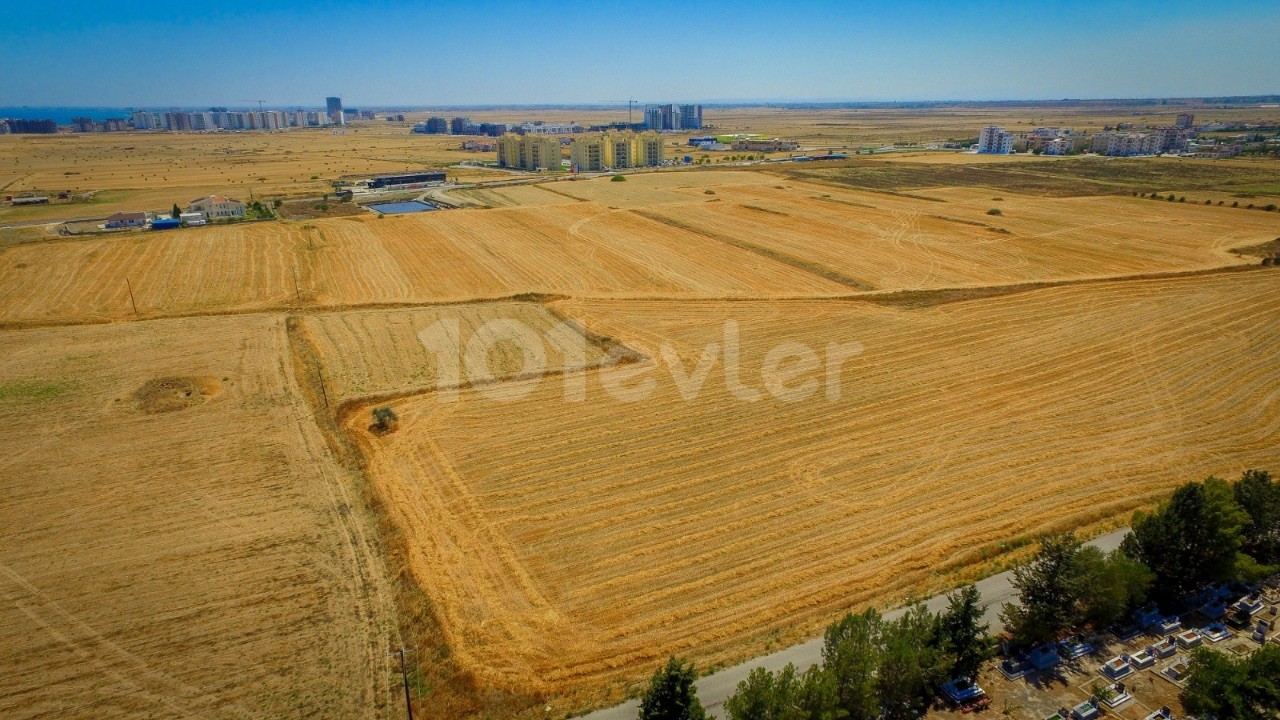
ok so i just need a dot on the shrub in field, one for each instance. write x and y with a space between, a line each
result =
994 211
383 417
618 178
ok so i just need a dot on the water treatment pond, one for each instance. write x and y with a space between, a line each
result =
400 208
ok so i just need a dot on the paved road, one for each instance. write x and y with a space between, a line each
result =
713 690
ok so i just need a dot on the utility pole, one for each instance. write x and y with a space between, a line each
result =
260 102
404 674
629 104
131 300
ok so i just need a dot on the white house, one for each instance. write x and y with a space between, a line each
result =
216 207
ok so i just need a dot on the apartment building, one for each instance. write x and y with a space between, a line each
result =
616 151
1126 144
673 117
994 140
333 107
529 152
690 117
545 128
591 154
649 150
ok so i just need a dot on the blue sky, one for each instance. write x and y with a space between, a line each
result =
444 53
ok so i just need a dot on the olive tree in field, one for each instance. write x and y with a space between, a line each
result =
382 418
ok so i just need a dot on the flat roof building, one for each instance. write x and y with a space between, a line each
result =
529 152
333 106
994 140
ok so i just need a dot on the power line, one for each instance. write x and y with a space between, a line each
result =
404 675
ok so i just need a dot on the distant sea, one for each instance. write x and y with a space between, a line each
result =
63 115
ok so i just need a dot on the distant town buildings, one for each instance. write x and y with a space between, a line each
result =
333 106
30 127
1168 138
615 151
1185 120
222 119
673 117
1126 144
545 128
529 152
995 141
459 126
1053 141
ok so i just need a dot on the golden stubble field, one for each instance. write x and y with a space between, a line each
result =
568 545
198 522
656 235
152 171
178 541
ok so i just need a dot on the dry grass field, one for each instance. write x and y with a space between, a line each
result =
178 541
152 171
199 522
378 352
583 542
656 235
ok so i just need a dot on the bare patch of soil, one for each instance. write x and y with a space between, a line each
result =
169 394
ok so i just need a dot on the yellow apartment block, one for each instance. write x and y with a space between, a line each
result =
616 151
529 152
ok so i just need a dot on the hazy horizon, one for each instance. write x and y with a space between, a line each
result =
398 54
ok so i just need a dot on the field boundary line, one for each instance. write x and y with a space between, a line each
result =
809 267
922 297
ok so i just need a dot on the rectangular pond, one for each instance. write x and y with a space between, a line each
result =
400 208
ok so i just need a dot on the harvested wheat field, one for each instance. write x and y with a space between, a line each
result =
889 242
570 546
382 352
178 541
151 171
441 256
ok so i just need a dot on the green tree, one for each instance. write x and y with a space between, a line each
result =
1046 592
1223 686
1193 539
911 665
767 696
817 695
175 212
383 417
671 694
851 653
1109 585
1259 496
963 634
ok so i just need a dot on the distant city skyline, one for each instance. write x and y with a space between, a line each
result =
291 54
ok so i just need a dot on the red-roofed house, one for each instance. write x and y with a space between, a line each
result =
216 207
